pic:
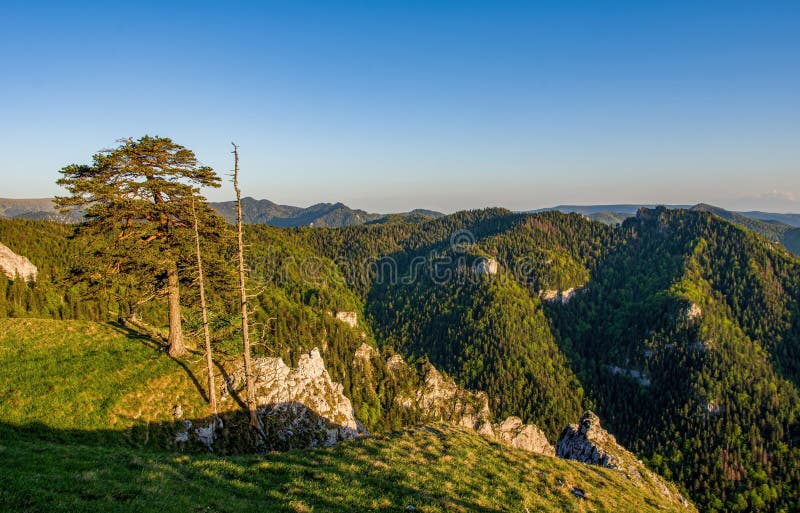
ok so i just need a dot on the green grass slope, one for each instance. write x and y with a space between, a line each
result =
75 394
89 378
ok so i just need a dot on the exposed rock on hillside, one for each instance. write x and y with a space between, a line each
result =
562 296
299 407
439 399
589 443
442 399
515 433
487 266
349 318
14 265
693 312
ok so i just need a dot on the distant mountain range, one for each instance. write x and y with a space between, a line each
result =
253 212
626 210
783 228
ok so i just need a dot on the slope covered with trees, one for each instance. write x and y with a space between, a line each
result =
686 340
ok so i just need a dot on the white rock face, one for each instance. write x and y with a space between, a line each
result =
548 295
589 443
515 433
442 399
14 265
364 353
299 407
562 296
349 318
487 266
693 312
567 295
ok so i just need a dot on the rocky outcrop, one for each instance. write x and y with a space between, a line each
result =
349 318
299 407
693 312
589 443
515 433
14 265
561 296
438 398
441 399
487 266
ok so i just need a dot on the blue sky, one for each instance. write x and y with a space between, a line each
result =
389 106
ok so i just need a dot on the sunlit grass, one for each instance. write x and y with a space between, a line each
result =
70 390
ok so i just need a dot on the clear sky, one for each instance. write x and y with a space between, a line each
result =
388 106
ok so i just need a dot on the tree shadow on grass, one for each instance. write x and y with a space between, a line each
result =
148 341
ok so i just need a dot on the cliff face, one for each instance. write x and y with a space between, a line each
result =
14 265
299 407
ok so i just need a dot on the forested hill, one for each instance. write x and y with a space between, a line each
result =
680 328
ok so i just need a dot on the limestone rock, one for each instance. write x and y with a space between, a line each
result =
440 399
693 312
364 353
487 266
633 374
395 363
299 407
349 318
562 296
14 265
548 295
566 295
515 433
363 361
588 443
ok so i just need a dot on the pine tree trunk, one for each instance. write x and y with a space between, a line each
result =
255 422
212 392
177 348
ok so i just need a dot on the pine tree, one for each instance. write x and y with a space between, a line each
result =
135 200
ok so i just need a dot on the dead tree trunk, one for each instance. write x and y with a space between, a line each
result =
177 348
212 392
255 422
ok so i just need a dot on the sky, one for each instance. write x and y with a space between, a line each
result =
390 106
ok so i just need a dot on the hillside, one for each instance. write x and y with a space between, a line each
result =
40 209
783 228
266 212
769 227
679 328
88 419
716 399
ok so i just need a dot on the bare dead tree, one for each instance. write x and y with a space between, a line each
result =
212 392
255 422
